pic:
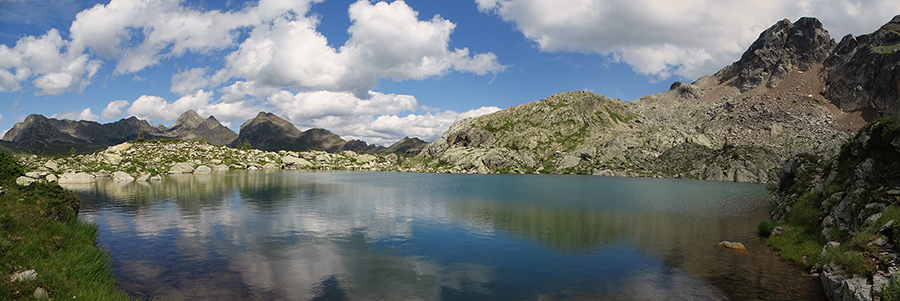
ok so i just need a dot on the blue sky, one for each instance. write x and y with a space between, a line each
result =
370 70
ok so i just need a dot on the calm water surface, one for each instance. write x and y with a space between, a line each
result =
405 236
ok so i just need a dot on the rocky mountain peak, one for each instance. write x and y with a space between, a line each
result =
189 119
863 72
778 50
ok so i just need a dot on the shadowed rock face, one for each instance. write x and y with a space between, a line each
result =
272 133
778 50
863 73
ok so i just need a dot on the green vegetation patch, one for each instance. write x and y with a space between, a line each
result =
39 230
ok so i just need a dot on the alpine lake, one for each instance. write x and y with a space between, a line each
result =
306 235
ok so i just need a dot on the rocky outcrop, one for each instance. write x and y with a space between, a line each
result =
779 49
863 73
852 198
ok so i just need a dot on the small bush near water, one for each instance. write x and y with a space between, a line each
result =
39 230
765 228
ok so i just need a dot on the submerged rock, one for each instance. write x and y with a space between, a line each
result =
121 176
733 246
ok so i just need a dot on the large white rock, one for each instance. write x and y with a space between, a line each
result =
182 167
51 165
121 176
119 148
365 158
112 159
52 178
291 162
202 170
144 177
219 167
76 178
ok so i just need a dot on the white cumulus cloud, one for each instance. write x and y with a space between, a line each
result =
85 114
113 110
53 68
387 41
688 38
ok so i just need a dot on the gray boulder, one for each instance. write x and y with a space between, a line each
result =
52 178
181 168
144 177
202 170
121 176
51 165
29 275
291 162
77 178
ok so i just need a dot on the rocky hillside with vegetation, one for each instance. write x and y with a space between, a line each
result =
45 251
740 124
146 160
840 216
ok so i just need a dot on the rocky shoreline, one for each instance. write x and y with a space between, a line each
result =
148 160
841 215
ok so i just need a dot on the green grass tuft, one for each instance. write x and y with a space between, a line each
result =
765 228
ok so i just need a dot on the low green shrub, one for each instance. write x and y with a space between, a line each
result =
765 228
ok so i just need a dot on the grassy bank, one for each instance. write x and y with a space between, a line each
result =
39 230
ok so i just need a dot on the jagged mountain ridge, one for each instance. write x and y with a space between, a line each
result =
49 136
737 125
272 133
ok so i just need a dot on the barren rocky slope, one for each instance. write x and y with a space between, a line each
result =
737 125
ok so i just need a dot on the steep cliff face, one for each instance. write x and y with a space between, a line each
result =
863 73
738 125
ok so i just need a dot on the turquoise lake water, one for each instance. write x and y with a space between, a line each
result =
256 235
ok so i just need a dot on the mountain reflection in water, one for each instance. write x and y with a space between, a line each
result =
400 236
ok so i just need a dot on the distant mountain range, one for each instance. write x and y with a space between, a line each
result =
48 136
269 132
